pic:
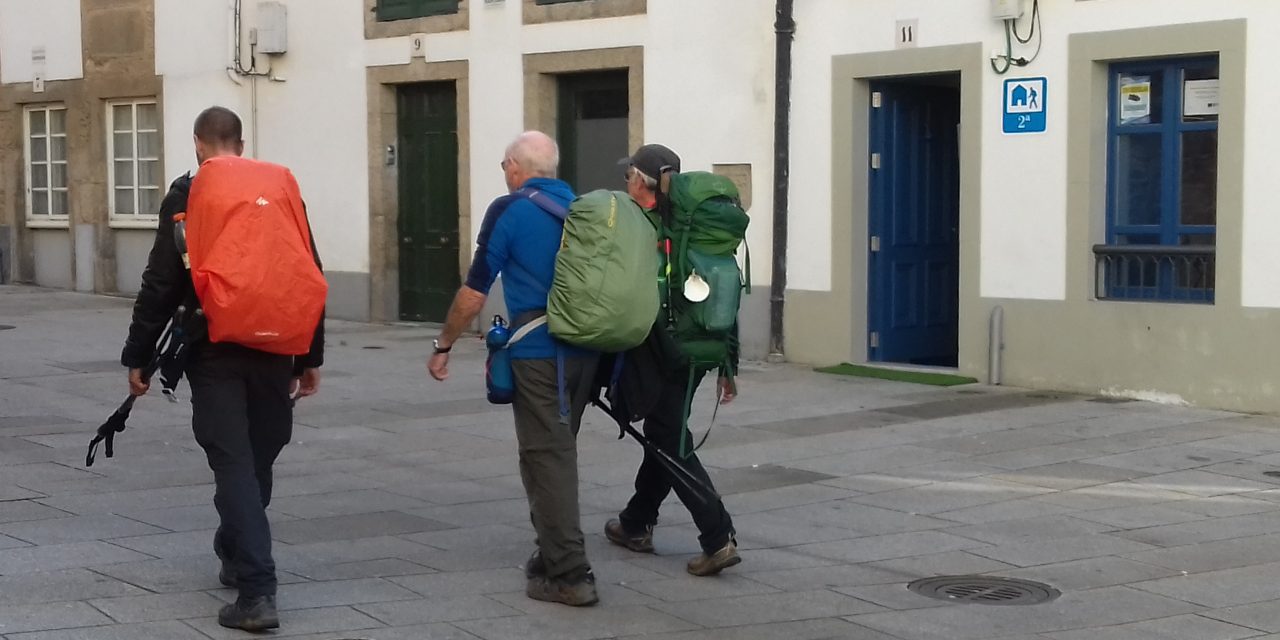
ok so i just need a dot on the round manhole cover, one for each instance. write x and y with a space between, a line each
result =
984 590
4 327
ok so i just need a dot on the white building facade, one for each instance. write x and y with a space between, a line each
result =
1088 210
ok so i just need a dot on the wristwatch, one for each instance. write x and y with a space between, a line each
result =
435 343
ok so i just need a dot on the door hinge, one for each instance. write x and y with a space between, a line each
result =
876 99
875 161
875 244
874 339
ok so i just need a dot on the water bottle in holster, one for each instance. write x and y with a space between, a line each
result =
499 382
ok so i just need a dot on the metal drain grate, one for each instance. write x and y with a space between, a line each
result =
984 590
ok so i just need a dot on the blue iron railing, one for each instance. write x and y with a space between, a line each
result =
1155 272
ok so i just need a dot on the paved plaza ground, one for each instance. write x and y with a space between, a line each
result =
399 513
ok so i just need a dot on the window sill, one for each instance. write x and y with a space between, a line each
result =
151 223
61 222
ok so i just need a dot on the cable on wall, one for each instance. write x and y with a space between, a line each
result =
1001 64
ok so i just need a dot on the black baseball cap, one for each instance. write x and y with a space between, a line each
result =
651 159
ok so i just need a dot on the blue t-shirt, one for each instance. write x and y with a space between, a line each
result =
520 240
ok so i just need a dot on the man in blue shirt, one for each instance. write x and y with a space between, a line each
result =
519 239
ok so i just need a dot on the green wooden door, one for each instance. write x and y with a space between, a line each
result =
428 222
592 128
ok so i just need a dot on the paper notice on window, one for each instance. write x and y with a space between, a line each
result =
1135 99
1200 98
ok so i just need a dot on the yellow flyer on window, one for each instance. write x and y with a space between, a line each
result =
1135 99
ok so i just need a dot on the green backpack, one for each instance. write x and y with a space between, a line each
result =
704 230
604 296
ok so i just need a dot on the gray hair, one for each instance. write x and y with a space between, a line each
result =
649 183
536 152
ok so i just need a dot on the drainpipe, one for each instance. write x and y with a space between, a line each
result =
236 70
785 28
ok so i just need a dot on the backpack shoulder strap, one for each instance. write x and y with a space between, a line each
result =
544 202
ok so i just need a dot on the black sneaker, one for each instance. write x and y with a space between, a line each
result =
250 614
577 589
617 534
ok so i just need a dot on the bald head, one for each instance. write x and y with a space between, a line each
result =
536 153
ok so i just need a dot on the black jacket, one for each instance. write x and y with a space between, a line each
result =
166 284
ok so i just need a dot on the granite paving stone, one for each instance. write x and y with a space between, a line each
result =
399 512
350 527
1188 627
144 631
63 585
301 622
548 621
765 608
159 606
64 556
453 609
45 617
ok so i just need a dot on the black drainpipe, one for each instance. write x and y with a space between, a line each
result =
785 27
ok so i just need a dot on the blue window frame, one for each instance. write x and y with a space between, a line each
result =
1162 173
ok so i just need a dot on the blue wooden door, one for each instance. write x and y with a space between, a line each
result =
914 223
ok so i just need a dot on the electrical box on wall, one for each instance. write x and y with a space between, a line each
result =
273 28
1007 9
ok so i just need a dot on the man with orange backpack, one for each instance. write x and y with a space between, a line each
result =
219 233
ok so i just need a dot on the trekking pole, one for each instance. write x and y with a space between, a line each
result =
703 493
117 421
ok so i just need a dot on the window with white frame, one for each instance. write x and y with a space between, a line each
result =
134 149
45 135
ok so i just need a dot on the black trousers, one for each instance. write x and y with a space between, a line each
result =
654 483
242 418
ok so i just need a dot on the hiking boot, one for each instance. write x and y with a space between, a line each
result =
534 566
640 543
709 565
250 614
576 589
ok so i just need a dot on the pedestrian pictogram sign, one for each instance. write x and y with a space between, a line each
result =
1024 105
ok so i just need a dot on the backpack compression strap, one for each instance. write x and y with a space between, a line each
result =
544 202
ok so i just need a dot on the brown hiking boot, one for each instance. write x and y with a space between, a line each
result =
709 565
577 589
640 543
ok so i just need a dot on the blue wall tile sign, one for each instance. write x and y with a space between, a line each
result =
1024 105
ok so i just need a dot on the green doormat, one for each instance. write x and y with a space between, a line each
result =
918 377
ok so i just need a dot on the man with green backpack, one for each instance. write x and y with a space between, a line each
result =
700 286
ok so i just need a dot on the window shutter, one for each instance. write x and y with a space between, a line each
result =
389 10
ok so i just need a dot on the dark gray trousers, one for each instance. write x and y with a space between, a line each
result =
549 456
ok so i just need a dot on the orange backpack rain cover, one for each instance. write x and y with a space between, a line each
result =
251 260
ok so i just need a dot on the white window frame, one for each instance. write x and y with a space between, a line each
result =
138 219
60 221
